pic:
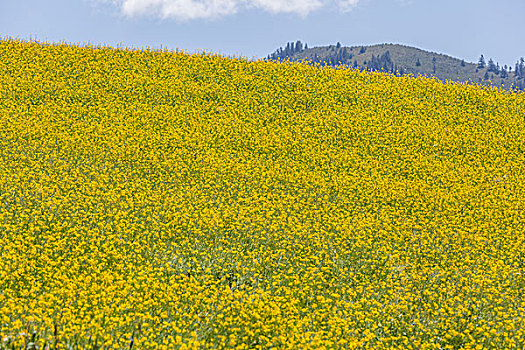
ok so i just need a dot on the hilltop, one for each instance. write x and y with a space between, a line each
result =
160 200
403 60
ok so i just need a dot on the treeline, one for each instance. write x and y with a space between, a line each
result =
335 55
288 51
519 73
338 55
494 70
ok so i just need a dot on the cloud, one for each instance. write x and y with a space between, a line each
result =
301 7
347 5
184 10
179 9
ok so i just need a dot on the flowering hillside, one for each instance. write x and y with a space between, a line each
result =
153 199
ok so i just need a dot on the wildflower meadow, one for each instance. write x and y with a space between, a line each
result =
154 199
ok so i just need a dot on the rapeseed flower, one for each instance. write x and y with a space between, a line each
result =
155 199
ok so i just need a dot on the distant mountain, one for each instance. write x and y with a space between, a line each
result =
403 60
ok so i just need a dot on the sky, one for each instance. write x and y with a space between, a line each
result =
254 28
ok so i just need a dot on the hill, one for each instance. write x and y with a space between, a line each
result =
160 200
403 59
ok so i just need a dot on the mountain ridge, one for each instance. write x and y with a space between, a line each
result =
403 59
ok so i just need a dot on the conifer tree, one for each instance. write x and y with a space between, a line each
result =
298 46
481 62
491 67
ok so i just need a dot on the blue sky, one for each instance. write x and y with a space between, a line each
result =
254 28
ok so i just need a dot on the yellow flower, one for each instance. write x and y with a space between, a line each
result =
196 201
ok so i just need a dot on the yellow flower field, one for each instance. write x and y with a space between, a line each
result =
155 199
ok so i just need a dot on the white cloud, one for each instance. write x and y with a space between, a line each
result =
347 5
178 9
301 7
194 9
